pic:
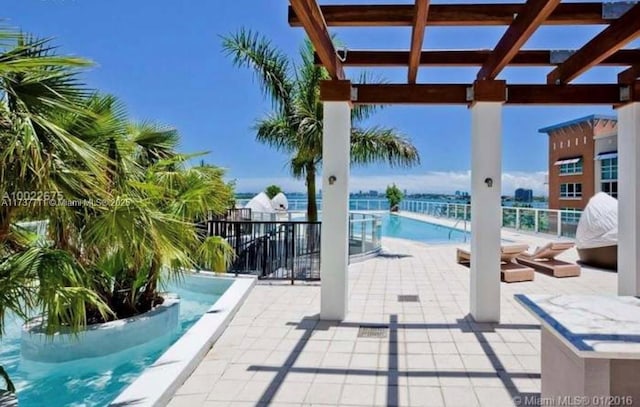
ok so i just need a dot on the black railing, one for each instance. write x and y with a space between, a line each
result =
272 250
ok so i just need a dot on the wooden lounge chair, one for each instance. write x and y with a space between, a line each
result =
543 259
510 271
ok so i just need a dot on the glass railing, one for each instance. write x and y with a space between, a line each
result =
365 233
550 221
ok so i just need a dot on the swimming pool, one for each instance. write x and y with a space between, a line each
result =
411 229
96 382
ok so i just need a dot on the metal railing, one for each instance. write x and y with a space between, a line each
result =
290 249
551 221
273 250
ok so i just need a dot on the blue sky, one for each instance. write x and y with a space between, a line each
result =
163 58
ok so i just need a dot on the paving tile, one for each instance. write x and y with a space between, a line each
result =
187 400
459 397
444 358
425 396
226 390
358 394
324 393
291 392
494 396
201 384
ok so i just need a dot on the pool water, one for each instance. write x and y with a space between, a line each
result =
95 382
411 229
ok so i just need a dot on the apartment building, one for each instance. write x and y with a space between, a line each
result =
583 160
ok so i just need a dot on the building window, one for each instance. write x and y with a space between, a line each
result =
571 190
584 140
571 168
609 169
609 176
571 215
554 146
561 144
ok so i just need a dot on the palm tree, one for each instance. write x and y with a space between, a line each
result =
295 124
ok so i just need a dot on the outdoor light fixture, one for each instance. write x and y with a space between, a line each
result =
489 182
332 179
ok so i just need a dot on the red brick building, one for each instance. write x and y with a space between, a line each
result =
583 160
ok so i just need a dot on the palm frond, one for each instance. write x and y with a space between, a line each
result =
382 145
270 65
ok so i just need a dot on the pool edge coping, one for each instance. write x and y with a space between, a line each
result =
157 384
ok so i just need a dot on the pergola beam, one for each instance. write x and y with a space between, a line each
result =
311 18
615 36
401 15
417 38
521 29
385 58
629 75
461 94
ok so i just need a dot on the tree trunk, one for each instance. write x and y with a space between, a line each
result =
312 205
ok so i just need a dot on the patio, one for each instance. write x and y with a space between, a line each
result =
276 351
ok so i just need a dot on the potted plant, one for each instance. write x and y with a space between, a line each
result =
394 196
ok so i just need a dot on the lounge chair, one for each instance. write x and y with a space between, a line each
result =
510 271
543 259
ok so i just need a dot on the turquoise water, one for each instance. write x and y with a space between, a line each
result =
411 229
96 382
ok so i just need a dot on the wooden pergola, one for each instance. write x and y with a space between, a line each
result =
485 96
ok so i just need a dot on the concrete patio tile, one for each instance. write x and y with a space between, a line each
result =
188 400
422 362
522 348
425 396
211 368
254 357
336 346
448 362
364 361
358 394
336 360
291 392
333 376
444 348
438 354
226 390
418 348
309 359
367 346
201 384
454 378
493 396
324 393
256 391
281 358
459 397
240 371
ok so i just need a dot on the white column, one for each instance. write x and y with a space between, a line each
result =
334 255
486 163
629 199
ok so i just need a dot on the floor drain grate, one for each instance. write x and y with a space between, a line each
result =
408 298
372 331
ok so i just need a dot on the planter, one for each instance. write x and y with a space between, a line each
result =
99 339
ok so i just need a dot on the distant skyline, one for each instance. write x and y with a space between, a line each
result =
164 59
440 182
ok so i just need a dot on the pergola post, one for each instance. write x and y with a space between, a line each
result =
486 186
629 196
336 149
